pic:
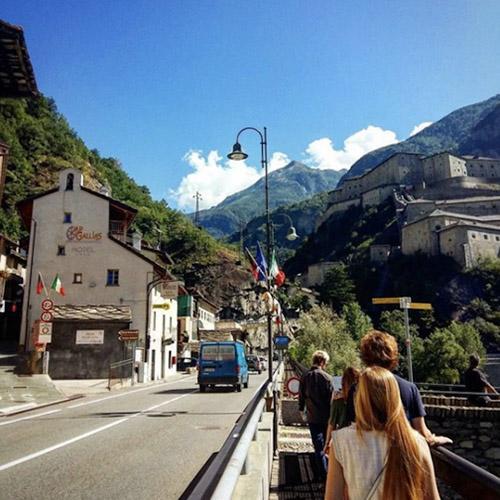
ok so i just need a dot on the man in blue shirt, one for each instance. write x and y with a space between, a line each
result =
381 349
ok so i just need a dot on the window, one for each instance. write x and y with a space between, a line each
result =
473 235
77 278
61 250
154 320
112 277
485 236
69 182
67 218
163 324
497 238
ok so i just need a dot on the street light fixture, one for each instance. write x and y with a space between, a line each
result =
237 154
291 234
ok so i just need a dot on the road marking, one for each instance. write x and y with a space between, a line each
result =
37 454
29 417
85 403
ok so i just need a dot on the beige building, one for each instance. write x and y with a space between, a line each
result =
482 167
80 236
443 166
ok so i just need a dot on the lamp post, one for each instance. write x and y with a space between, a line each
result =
291 234
237 155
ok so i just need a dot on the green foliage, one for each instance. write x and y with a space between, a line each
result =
321 329
42 143
337 288
447 352
357 322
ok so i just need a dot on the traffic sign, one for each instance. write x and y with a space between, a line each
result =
46 316
45 333
47 305
128 335
420 305
386 300
293 386
165 306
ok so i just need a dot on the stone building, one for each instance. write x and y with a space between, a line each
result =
443 166
80 236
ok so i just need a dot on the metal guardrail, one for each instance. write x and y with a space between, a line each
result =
464 477
451 387
121 364
206 485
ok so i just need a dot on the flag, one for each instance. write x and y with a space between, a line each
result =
40 285
57 285
275 272
253 264
261 263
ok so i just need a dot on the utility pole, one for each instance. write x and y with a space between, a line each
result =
197 197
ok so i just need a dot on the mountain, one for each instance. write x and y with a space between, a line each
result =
290 184
468 130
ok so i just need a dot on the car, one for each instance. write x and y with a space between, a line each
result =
184 363
222 363
263 362
254 363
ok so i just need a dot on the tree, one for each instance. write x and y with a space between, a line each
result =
337 288
357 322
321 329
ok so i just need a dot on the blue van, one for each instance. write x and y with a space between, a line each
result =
222 363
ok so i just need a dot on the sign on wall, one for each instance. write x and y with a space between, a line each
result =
170 289
44 332
79 233
89 337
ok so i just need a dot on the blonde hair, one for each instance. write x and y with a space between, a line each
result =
378 408
320 357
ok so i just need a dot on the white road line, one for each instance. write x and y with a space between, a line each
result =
29 417
37 454
85 403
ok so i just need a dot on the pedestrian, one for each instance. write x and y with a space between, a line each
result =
381 349
380 457
314 398
338 406
475 380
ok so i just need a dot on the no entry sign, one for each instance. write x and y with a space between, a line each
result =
47 305
293 386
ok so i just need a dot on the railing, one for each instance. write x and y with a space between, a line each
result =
463 477
220 477
120 367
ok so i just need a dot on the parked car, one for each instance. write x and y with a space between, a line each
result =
222 363
184 363
263 362
254 363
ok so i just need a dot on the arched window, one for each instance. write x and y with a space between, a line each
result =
69 182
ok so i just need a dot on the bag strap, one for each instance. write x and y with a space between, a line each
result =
377 479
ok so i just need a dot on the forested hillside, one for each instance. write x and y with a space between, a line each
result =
42 143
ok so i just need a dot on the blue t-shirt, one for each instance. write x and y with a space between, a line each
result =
410 397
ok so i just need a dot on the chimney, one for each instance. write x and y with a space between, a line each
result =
136 240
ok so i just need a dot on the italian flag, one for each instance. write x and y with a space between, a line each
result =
40 285
275 272
57 285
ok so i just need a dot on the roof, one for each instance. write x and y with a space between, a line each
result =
464 217
485 158
17 78
92 313
465 224
472 199
444 152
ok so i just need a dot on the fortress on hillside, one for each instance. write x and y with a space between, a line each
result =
446 204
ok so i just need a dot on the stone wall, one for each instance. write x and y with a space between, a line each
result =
475 432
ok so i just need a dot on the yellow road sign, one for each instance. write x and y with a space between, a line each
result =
420 305
161 306
385 300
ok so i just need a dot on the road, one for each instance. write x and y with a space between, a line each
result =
145 442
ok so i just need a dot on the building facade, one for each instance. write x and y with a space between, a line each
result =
80 237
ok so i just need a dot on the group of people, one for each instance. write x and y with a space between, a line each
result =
370 439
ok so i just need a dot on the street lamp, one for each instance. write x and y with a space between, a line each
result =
291 234
237 154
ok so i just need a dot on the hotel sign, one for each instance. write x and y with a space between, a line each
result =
89 337
79 233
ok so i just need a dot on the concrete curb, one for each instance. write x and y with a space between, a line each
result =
33 406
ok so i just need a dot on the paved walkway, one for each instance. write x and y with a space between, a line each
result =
20 392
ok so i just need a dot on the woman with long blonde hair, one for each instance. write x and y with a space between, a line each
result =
380 457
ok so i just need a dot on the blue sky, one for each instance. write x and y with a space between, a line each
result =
165 85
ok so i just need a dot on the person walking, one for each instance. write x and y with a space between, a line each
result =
380 457
314 399
475 380
381 349
338 406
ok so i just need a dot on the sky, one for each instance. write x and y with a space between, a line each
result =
165 85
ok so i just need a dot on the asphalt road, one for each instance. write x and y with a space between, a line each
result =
145 442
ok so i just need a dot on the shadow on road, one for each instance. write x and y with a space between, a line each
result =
116 414
176 391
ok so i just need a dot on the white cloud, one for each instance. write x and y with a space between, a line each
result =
213 179
322 154
278 160
419 128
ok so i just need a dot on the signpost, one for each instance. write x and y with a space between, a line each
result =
44 333
128 335
293 386
405 303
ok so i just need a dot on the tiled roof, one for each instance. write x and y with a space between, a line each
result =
93 313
